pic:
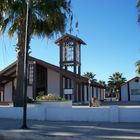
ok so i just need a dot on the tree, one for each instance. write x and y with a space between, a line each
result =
138 7
115 82
47 18
138 66
90 75
138 62
102 83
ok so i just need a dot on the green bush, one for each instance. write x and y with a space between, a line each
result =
30 100
49 97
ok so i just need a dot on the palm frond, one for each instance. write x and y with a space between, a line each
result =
138 67
48 17
12 29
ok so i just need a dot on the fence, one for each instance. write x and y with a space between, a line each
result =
101 114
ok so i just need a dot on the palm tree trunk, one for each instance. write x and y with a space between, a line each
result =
18 96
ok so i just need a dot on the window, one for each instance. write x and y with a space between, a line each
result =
137 80
78 53
30 72
135 91
68 51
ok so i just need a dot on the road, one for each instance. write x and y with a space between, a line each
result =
42 130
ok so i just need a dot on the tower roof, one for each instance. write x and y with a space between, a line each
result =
71 36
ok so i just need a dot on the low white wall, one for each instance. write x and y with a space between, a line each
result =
78 114
11 112
33 113
50 104
36 113
127 114
101 114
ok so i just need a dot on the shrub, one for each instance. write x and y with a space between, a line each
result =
30 100
49 97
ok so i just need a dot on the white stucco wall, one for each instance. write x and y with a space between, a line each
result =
134 85
72 84
100 114
53 82
94 92
99 94
30 91
102 94
91 91
8 92
78 114
1 96
85 94
124 93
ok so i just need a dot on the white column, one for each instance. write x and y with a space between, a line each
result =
99 94
1 95
85 93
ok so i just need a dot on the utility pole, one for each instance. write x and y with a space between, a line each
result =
24 123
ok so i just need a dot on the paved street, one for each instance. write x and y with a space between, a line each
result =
9 129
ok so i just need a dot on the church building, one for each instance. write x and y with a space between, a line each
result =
65 81
130 90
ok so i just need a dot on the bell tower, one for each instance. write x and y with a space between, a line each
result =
70 52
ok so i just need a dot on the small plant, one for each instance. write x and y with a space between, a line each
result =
49 97
30 100
40 93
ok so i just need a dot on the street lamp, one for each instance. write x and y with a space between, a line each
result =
89 92
24 125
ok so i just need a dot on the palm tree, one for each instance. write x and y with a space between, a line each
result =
47 18
90 75
138 6
138 66
138 62
102 83
115 82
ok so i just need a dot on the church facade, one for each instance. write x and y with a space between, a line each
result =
65 81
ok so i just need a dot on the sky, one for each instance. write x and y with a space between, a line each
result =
110 30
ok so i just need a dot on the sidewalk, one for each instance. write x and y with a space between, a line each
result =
42 130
